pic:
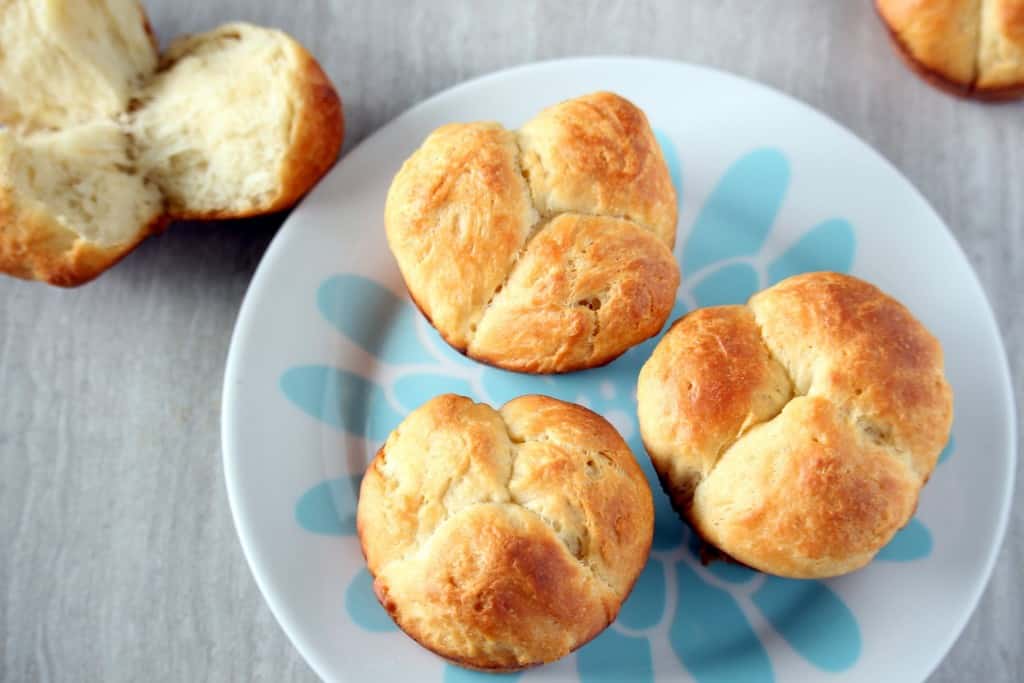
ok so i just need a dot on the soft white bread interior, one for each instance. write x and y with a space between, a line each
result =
100 143
71 202
67 62
233 123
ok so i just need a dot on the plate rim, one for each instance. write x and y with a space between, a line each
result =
243 321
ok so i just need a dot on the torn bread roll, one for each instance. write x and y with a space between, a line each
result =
235 122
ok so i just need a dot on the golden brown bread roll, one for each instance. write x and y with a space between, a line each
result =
101 145
557 236
70 204
970 47
795 433
596 155
504 539
1001 54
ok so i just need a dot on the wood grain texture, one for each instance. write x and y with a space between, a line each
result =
120 561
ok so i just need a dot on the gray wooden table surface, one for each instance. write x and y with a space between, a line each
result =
118 557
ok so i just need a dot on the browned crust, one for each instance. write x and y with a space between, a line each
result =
932 77
812 502
475 665
526 368
540 577
584 291
470 664
998 95
597 154
710 378
36 247
457 214
883 362
467 663
318 131
937 80
855 409
629 295
149 28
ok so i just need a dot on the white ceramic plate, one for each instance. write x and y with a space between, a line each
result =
328 355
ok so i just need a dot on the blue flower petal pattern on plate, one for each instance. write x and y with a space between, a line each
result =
731 572
441 350
675 168
341 399
329 508
737 217
646 604
414 390
723 570
454 674
912 542
812 619
628 365
708 628
668 528
361 604
948 450
711 635
612 657
827 246
355 304
732 284
502 386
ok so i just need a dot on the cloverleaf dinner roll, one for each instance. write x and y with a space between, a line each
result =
547 249
795 433
501 539
969 47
